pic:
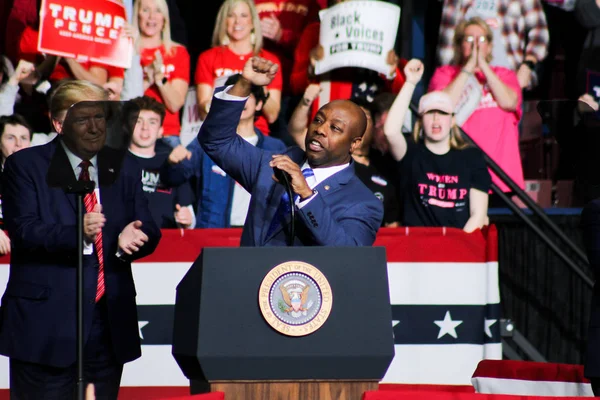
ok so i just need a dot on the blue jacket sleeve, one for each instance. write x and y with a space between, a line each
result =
220 141
356 227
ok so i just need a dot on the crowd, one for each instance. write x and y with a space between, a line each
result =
420 166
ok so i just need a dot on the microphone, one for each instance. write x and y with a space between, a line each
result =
282 176
285 179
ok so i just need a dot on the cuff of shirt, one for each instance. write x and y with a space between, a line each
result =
88 248
300 204
224 95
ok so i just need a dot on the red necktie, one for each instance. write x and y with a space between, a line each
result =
90 201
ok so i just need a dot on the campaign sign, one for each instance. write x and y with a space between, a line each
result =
358 34
85 31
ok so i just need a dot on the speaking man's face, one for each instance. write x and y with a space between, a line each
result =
334 134
84 129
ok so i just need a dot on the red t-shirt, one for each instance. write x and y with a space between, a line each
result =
177 66
293 16
218 63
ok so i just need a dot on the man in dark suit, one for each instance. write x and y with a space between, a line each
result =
333 207
590 222
37 327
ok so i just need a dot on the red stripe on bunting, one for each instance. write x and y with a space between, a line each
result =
402 244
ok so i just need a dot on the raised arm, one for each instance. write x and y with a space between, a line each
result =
506 98
393 124
301 116
218 135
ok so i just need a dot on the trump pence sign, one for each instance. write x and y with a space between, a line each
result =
86 31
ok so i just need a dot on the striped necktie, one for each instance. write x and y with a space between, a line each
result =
90 201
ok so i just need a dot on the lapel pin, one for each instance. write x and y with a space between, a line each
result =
327 187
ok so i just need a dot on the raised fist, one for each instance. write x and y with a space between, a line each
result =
259 71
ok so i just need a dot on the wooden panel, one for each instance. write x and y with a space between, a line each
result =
275 390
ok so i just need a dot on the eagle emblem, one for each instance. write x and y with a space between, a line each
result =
295 297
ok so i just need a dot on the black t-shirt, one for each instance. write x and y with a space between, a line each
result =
161 198
436 187
382 189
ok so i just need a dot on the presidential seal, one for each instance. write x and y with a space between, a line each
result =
295 298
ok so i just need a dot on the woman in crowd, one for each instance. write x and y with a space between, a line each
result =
486 99
445 182
166 63
237 37
15 135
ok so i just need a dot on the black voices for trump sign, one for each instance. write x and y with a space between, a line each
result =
358 34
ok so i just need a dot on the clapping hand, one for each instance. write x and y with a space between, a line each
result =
183 216
93 222
271 28
132 238
179 154
414 71
473 58
4 243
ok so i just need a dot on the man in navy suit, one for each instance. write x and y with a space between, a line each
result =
333 207
37 327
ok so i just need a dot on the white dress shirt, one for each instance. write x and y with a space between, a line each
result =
88 248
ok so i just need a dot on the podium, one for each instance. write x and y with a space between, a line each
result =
237 309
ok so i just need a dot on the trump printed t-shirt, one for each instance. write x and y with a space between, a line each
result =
436 187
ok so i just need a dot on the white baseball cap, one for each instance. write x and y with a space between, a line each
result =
436 101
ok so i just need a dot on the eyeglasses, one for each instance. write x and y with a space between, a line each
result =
471 39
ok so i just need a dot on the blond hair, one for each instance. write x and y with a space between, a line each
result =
459 36
220 37
457 141
70 92
165 34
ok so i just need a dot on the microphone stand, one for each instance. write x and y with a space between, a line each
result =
80 189
284 178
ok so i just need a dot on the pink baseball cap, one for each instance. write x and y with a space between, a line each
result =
436 101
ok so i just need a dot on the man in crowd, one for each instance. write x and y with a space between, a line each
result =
170 206
37 327
333 207
222 203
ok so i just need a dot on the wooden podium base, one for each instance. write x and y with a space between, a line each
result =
293 390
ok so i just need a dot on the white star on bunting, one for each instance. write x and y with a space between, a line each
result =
142 324
488 324
447 326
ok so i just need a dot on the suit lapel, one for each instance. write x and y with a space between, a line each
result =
60 173
336 181
109 163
